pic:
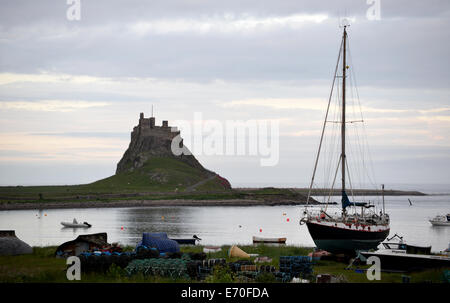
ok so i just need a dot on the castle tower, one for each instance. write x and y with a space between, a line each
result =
152 120
141 119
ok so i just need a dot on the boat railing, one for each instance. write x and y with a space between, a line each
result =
348 219
394 246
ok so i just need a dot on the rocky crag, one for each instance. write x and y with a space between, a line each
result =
151 143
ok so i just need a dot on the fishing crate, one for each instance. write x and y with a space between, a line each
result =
296 266
248 268
203 272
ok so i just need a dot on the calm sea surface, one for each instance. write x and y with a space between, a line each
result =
217 225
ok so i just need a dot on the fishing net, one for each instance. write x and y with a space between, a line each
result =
173 268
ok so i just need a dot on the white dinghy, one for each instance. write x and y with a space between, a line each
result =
75 224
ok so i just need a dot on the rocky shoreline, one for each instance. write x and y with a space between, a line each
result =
144 203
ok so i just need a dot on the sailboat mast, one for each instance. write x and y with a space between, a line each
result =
344 67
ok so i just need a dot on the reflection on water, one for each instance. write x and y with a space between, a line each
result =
216 225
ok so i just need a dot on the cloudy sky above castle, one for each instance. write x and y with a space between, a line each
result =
71 91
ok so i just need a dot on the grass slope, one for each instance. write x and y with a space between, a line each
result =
163 174
157 175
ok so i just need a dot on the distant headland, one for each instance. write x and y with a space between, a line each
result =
150 174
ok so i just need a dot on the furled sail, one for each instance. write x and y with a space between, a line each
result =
346 201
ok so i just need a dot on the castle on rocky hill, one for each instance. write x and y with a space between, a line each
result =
151 141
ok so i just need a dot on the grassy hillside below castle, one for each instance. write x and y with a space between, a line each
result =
159 179
159 174
156 175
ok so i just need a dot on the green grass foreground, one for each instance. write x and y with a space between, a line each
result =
42 266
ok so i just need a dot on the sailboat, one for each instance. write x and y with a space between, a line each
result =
346 231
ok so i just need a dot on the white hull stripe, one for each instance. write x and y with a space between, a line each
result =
352 226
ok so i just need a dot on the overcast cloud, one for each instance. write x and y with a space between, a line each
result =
71 91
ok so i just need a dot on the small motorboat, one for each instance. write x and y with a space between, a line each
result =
405 257
191 241
268 240
441 220
75 224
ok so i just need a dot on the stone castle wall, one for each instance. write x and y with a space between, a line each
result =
147 128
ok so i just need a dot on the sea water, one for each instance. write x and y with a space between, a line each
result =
218 225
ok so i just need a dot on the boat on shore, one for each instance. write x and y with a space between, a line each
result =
269 240
188 241
75 224
440 220
357 225
211 249
185 241
400 256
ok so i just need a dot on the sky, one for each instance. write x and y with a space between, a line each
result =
72 90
